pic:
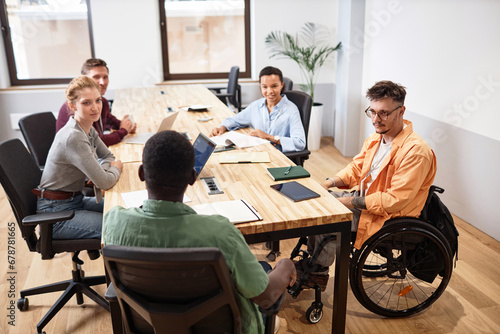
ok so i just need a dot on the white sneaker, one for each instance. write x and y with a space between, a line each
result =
276 324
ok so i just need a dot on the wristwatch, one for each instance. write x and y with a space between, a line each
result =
277 138
333 181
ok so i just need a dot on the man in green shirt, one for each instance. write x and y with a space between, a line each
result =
164 221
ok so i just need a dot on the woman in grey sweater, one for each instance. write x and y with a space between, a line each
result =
76 154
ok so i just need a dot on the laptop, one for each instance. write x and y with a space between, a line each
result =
203 148
142 138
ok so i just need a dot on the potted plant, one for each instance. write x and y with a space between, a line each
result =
310 49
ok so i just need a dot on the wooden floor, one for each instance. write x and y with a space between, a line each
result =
469 305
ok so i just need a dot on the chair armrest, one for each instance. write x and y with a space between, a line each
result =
48 218
223 94
294 154
217 89
110 293
46 222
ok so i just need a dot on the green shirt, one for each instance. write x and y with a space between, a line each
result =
165 224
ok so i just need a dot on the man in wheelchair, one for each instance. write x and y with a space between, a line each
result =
391 176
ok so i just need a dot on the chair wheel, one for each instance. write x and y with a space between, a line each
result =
23 304
314 314
271 256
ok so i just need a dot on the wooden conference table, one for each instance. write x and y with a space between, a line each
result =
282 218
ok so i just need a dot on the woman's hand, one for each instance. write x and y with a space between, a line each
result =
118 164
261 134
218 131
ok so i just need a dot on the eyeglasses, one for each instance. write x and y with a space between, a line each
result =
383 114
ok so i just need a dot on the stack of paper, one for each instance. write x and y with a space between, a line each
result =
238 139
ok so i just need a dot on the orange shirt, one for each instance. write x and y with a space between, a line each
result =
402 185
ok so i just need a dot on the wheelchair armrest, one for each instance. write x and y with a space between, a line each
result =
47 218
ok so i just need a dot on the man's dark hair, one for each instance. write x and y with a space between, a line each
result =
91 63
384 89
168 161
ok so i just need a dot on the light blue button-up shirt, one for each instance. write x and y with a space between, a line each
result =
284 121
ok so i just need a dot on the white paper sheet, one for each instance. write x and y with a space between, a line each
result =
134 199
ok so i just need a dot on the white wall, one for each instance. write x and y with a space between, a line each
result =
447 55
127 36
445 52
289 16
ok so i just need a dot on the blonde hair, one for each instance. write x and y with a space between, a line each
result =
77 85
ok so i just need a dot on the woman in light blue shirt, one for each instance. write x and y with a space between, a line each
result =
273 117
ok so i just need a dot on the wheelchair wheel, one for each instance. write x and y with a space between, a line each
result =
402 269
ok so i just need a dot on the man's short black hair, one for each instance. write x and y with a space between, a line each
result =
168 160
386 88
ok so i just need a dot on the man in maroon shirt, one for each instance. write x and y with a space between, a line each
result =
97 69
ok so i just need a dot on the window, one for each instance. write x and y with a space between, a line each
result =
203 39
46 41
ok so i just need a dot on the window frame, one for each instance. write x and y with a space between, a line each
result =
197 76
9 51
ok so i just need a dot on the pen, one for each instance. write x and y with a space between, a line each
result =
288 170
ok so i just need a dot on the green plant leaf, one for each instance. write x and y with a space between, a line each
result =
310 49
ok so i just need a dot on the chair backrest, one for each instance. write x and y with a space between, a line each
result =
288 84
304 102
39 131
232 85
18 175
173 290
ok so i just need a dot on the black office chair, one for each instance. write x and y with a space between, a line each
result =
39 131
288 84
233 89
174 290
18 175
304 102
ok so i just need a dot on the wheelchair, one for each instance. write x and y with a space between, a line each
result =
399 271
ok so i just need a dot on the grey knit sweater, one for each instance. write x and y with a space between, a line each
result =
75 156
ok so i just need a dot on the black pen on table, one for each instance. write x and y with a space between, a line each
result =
288 170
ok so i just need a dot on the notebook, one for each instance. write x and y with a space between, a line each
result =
142 138
237 211
295 191
203 148
294 172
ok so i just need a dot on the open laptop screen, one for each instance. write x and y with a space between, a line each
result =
203 148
